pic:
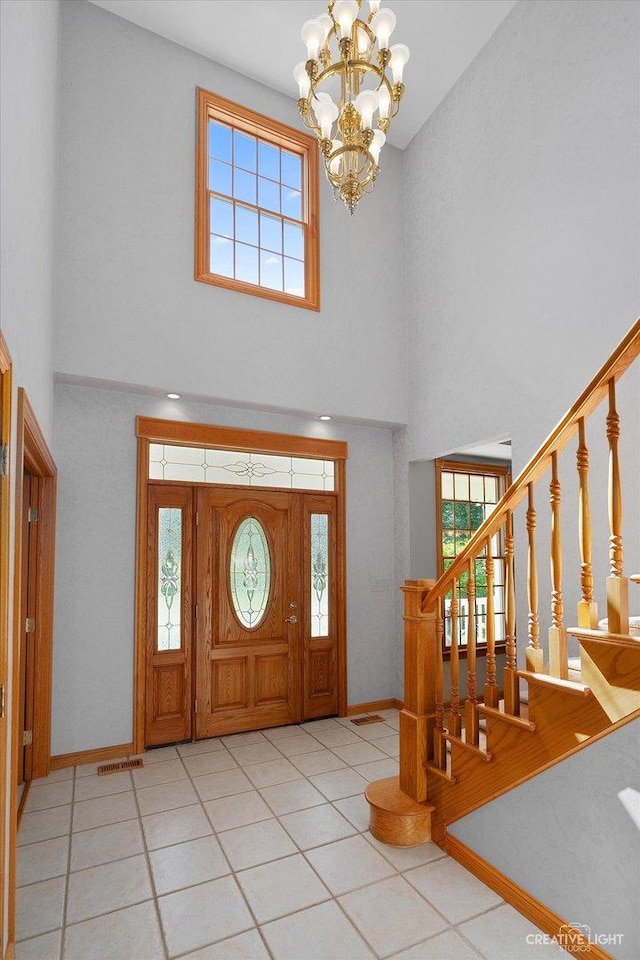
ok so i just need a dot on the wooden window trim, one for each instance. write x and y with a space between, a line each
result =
477 467
211 106
232 438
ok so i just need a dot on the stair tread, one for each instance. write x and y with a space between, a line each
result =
471 747
569 686
603 636
493 712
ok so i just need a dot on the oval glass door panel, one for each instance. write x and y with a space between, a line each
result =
250 573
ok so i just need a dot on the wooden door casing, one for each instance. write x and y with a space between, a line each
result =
247 678
169 693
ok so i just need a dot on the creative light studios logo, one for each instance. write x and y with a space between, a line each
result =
576 938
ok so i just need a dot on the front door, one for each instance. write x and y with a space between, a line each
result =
241 611
248 657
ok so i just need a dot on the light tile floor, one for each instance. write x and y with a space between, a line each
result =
247 847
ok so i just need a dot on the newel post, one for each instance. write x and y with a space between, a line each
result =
417 719
398 812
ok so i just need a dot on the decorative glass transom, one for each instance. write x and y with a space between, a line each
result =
200 465
169 578
250 572
319 598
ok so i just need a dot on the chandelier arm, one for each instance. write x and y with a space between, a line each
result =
340 66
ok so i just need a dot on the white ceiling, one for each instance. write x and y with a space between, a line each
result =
261 38
493 449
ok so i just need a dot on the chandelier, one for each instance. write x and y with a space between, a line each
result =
348 56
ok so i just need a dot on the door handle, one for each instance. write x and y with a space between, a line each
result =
291 619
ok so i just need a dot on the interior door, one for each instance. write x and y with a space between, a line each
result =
248 657
27 623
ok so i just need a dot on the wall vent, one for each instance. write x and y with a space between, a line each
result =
372 718
119 766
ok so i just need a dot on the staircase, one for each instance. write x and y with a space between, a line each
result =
459 754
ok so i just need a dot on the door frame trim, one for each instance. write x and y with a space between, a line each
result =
5 728
152 430
33 453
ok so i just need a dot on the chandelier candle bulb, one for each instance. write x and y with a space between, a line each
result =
377 142
302 79
364 42
400 54
345 13
312 34
326 23
334 167
366 104
384 102
351 84
383 24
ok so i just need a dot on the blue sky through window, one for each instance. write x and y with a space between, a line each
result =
252 238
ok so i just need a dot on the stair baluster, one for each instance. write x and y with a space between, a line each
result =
617 585
587 607
491 690
511 683
439 744
472 729
558 665
534 656
455 720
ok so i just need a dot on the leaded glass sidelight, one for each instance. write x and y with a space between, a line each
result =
319 598
169 578
250 573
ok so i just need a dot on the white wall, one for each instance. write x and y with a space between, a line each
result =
94 615
128 308
28 159
571 838
522 211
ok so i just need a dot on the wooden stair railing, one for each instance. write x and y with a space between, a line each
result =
443 751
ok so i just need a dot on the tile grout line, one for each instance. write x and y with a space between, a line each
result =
332 897
154 894
227 861
277 817
63 921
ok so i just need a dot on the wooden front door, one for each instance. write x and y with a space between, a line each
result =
242 614
248 654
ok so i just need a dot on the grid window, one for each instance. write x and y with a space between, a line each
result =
466 495
256 207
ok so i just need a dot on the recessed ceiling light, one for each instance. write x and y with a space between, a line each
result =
325 416
173 396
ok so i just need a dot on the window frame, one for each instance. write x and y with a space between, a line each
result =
479 468
213 107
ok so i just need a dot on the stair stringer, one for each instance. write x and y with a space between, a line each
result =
561 725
